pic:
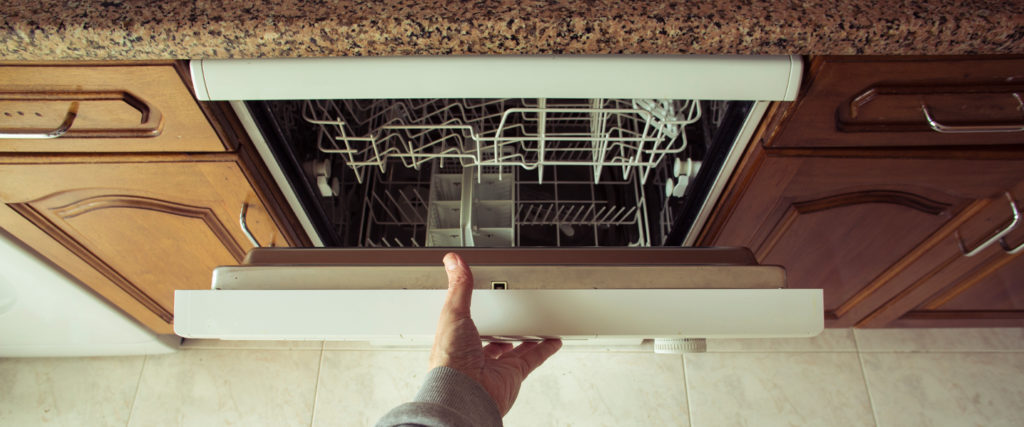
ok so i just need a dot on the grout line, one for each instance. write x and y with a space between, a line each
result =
686 390
864 376
138 385
316 384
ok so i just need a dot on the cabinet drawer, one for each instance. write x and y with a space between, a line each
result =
100 108
919 102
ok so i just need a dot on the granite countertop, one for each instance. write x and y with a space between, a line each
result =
141 29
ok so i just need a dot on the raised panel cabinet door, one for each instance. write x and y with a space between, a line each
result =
859 228
980 282
146 228
101 108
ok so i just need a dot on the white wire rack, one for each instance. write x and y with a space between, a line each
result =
450 208
527 133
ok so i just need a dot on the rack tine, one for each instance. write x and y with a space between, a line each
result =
395 201
609 214
582 208
526 217
565 217
619 219
419 218
590 213
551 210
384 206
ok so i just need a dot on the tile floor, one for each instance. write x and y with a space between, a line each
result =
841 378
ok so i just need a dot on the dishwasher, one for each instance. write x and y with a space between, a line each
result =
573 186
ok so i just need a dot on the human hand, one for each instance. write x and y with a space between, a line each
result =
498 367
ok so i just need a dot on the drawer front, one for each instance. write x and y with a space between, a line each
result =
63 108
908 103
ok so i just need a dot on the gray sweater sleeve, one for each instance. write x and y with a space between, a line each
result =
448 398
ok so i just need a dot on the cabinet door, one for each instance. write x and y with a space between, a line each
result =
138 230
101 108
852 226
981 283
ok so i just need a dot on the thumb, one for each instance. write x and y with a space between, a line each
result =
460 286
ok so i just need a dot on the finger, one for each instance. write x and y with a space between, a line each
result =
460 286
537 354
495 349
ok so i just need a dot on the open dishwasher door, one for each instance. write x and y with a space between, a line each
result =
521 294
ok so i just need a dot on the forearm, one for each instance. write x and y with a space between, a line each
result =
448 398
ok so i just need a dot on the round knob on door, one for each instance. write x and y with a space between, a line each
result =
680 345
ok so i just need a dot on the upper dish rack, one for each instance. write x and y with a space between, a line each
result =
489 134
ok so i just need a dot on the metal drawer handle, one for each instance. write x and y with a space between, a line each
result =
60 130
996 237
245 227
939 127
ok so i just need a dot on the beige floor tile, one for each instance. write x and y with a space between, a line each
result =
359 387
594 389
227 387
603 389
828 340
953 339
946 389
68 391
777 389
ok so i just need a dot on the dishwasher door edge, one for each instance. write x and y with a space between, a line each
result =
707 77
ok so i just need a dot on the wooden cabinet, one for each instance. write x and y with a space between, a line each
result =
102 108
985 289
887 103
876 217
134 227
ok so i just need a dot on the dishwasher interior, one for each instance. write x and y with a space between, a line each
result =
539 172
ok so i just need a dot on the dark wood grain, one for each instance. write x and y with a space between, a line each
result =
872 215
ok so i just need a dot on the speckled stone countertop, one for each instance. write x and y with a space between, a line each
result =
143 29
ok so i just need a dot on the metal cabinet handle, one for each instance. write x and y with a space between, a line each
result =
245 227
939 127
60 130
995 237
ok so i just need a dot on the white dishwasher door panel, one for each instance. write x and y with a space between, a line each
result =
574 294
500 314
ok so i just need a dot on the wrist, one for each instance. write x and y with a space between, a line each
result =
460 392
